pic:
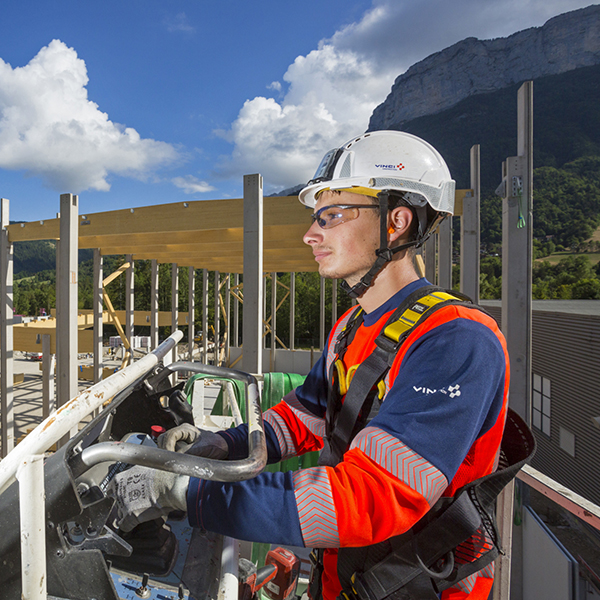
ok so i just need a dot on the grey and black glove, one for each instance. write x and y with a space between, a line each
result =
143 494
203 443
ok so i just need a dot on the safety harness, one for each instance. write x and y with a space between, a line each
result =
458 537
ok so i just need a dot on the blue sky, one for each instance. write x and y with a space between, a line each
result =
141 102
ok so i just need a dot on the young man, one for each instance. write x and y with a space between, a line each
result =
426 425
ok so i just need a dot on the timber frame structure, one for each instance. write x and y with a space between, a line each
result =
254 236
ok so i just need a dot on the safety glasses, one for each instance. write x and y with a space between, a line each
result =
336 214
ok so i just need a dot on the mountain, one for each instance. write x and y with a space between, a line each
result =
564 43
566 126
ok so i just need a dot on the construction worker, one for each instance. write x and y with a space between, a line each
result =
429 422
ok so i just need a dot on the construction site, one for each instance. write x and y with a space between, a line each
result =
67 397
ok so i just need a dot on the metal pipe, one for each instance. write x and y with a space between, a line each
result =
235 409
33 528
228 585
70 414
187 464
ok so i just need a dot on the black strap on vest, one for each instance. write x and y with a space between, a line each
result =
342 419
428 559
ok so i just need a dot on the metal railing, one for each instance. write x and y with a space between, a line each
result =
25 463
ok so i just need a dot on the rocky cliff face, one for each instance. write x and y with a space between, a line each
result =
473 66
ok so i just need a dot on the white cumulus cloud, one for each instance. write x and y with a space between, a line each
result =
333 90
192 185
50 129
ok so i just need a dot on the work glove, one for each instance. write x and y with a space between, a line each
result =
204 443
144 494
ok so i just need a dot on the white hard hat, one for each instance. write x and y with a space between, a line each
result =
384 164
385 160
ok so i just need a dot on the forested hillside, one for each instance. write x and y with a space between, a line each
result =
36 292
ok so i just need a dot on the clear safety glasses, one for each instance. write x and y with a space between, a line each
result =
336 214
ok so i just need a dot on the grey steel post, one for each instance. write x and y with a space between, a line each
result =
6 335
154 305
227 298
205 315
517 240
217 319
97 305
292 310
174 308
264 335
430 259
517 254
470 233
57 292
66 330
445 254
129 301
322 314
236 311
47 377
191 311
273 319
253 269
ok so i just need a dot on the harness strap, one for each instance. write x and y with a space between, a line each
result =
342 419
411 568
458 522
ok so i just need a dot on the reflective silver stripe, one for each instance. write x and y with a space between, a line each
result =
316 509
468 583
314 424
284 439
402 462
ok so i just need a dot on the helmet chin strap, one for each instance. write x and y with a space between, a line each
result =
384 253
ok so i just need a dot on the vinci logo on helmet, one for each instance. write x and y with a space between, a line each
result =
391 167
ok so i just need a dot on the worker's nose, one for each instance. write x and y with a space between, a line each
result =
314 234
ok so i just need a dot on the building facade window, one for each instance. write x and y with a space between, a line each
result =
541 404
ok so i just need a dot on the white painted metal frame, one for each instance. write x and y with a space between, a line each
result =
25 462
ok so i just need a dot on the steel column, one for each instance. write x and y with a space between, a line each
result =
470 233
205 315
236 311
273 319
292 310
47 376
217 319
66 330
174 313
430 259
322 314
227 308
445 254
154 305
334 295
97 306
517 240
191 311
6 335
129 302
253 269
